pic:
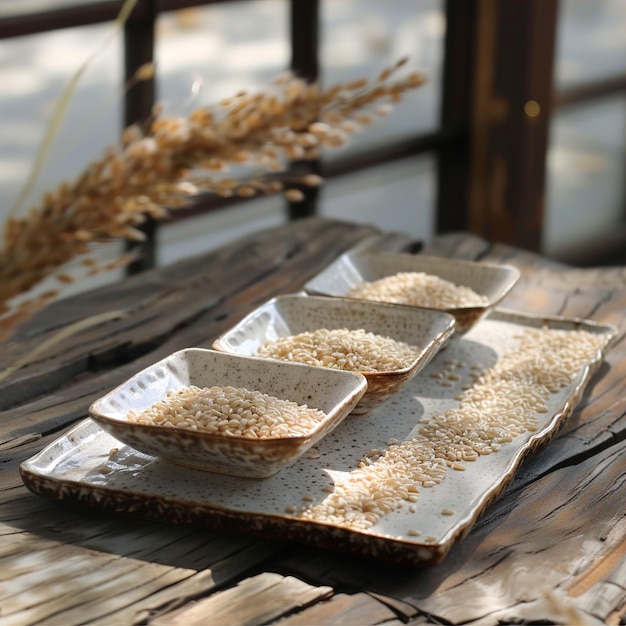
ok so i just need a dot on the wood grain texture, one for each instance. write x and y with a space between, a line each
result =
255 600
343 610
552 548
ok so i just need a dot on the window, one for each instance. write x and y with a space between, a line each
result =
466 151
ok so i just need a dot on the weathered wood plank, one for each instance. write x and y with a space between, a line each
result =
552 608
252 602
459 246
601 588
32 598
603 600
342 610
129 597
552 546
105 558
129 575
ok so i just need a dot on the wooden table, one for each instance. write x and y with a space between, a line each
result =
552 548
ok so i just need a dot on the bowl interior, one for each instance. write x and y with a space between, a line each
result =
354 268
327 390
293 314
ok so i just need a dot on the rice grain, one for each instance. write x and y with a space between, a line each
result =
418 289
354 350
233 411
501 405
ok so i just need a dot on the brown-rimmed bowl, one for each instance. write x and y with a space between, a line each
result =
491 280
289 315
333 392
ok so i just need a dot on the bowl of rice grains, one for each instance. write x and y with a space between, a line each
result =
387 344
468 290
227 413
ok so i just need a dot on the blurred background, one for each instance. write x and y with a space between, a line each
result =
519 134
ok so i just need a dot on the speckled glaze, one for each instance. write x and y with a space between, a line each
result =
354 268
333 392
84 466
292 314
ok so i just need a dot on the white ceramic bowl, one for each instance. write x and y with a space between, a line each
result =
334 392
293 314
352 269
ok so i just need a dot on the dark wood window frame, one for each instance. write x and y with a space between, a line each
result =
497 100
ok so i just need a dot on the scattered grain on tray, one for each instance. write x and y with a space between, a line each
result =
230 411
448 376
501 405
419 289
413 533
342 348
447 512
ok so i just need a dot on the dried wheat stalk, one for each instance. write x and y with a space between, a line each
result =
158 167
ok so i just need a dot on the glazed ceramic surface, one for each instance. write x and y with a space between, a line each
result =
88 465
354 268
289 315
333 392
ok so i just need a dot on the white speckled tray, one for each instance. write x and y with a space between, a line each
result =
78 466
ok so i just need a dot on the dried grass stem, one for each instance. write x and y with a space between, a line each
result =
158 166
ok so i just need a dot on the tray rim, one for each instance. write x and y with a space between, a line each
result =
171 509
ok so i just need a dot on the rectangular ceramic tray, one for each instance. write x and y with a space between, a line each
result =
88 466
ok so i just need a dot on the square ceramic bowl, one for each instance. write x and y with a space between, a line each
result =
493 281
335 393
289 315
